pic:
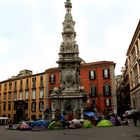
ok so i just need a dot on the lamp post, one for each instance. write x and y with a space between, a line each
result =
56 93
81 93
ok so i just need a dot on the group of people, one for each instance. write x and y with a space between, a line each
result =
135 116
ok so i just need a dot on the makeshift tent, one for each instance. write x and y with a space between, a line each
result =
43 123
89 114
113 120
75 124
52 125
23 126
104 123
39 125
55 125
87 124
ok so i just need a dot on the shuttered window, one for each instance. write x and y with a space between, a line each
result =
92 75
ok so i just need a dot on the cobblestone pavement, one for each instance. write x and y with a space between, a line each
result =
108 133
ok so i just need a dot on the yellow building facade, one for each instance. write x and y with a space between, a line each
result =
23 96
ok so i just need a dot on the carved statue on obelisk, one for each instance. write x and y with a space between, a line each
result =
69 61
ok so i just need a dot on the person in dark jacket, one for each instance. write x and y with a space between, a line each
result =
10 124
135 117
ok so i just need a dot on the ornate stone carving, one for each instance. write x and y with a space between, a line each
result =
68 78
69 45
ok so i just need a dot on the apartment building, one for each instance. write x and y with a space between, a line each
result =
23 96
123 91
98 78
133 64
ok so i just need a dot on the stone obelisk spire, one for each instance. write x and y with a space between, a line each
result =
69 96
69 61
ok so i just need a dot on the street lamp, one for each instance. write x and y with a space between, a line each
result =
82 94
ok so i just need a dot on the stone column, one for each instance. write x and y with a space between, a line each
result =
62 107
53 109
81 108
74 116
82 114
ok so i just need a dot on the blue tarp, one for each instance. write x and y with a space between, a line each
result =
89 114
39 123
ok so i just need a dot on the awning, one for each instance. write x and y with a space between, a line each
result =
4 118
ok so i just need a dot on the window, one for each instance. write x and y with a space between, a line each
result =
10 85
93 91
20 84
33 94
9 106
4 97
15 86
106 90
41 106
9 96
4 106
41 93
20 96
106 73
26 95
92 75
27 83
137 46
34 82
41 81
107 102
52 79
5 86
15 95
15 107
135 71
33 106
133 54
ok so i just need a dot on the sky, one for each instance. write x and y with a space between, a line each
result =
30 32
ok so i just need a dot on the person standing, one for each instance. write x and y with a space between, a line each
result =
10 124
135 117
